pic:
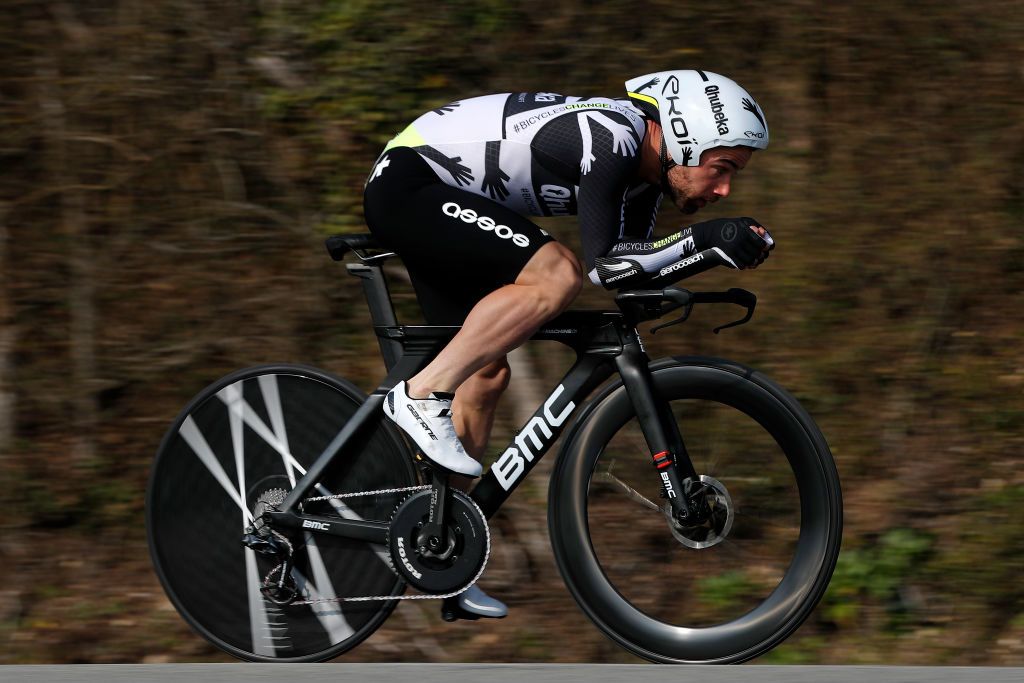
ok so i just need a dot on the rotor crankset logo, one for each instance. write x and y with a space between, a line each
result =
485 223
405 559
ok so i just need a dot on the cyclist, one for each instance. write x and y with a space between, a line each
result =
449 195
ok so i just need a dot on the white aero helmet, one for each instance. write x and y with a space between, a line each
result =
698 110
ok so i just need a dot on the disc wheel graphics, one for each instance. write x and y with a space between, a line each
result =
240 443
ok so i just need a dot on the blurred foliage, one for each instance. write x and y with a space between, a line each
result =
878 573
168 170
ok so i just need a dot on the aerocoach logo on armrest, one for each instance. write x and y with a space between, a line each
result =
512 463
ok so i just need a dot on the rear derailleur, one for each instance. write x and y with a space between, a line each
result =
278 585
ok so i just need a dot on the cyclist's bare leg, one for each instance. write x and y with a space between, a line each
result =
474 407
504 319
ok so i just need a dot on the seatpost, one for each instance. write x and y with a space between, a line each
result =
382 312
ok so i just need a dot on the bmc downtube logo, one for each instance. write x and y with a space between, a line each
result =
538 432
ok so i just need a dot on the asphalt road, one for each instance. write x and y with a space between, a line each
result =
500 673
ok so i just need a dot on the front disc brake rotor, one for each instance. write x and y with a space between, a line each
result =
719 523
449 568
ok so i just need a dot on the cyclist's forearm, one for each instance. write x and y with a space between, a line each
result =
631 262
735 242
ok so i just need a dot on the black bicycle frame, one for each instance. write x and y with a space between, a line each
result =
604 343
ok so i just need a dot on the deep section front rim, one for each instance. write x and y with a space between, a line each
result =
634 617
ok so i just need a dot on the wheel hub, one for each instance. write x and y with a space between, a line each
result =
718 524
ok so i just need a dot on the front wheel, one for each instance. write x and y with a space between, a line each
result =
734 587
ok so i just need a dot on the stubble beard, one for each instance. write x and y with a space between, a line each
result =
681 195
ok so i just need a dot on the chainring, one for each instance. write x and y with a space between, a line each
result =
451 568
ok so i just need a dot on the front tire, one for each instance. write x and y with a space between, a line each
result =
678 595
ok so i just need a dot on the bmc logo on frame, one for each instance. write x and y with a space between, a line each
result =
485 223
512 463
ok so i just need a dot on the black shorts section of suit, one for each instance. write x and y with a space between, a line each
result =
458 246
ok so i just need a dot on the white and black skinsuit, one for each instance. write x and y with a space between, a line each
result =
486 162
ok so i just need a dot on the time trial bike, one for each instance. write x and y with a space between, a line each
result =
695 510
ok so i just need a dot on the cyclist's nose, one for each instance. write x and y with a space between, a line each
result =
722 189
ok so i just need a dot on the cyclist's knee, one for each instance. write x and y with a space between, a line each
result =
556 273
567 275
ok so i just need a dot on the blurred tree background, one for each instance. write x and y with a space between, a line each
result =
168 171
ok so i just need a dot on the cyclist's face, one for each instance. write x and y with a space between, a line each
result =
693 187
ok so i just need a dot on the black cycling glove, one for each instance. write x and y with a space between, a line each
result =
735 239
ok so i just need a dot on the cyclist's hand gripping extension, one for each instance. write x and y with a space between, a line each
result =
739 243
742 242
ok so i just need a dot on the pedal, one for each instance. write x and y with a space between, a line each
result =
450 611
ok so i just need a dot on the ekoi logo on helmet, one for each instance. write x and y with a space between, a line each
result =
485 223
677 124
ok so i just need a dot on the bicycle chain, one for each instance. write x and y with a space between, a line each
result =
372 598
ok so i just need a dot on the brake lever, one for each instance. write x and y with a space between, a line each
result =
680 319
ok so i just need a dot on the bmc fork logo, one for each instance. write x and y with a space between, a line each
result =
669 491
512 463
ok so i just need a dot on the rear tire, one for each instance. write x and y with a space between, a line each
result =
682 596
213 465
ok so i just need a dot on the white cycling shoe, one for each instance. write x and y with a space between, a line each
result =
478 603
428 422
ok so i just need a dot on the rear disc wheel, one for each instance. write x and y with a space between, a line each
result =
239 444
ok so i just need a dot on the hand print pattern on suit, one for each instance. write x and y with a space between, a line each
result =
494 178
460 174
447 109
525 151
624 138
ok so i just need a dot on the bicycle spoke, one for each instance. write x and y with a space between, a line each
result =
630 492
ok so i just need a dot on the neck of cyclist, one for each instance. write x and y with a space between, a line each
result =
649 169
